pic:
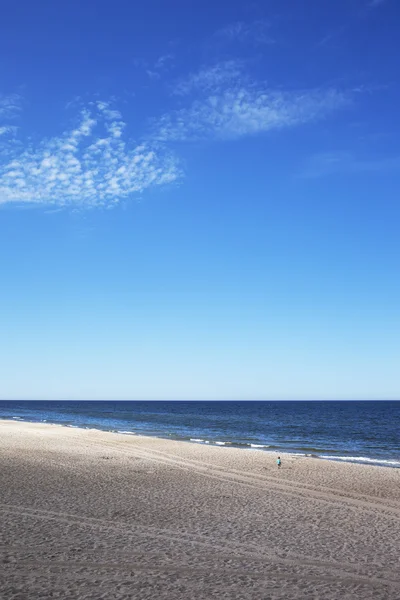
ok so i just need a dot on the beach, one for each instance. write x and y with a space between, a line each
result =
91 514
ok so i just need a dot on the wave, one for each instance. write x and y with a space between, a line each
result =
362 459
258 445
217 443
126 432
316 450
229 443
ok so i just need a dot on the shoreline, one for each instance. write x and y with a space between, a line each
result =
392 463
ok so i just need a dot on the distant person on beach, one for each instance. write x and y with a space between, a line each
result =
279 462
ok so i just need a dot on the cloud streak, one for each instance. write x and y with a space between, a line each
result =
332 163
228 105
90 165
8 130
10 106
255 32
210 79
375 3
155 69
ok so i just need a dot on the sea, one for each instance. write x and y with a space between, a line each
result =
353 431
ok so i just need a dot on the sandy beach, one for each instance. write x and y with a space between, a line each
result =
88 514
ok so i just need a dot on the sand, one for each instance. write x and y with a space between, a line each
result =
88 514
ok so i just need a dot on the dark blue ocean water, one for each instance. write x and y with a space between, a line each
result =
355 431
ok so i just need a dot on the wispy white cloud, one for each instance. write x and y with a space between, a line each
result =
256 32
163 61
375 3
333 35
8 129
86 166
331 163
10 106
230 105
155 69
154 75
209 79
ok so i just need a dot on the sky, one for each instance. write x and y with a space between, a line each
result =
200 200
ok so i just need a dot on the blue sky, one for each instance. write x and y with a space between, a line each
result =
200 200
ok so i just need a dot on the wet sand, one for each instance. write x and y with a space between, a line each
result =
88 515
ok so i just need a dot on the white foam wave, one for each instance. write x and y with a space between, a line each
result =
127 432
18 418
259 446
196 440
220 443
364 459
